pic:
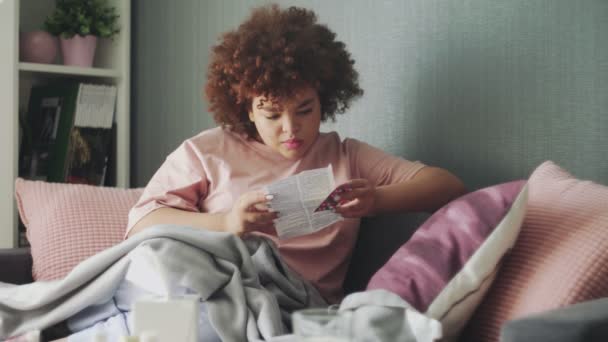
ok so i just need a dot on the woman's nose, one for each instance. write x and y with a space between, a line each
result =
290 124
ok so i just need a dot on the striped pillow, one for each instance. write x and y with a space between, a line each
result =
446 267
561 257
67 223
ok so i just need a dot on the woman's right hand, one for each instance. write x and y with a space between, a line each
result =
250 213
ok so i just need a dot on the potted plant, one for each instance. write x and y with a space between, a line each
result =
79 23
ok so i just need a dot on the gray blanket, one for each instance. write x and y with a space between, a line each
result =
249 291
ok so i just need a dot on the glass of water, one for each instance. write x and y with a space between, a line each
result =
322 325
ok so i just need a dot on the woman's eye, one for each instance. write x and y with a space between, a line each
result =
304 112
272 117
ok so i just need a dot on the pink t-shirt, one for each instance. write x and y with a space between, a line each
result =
208 172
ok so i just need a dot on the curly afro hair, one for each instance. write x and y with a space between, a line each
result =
272 54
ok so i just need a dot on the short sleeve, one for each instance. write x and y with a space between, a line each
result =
378 166
180 183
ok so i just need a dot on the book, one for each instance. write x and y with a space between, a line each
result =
91 138
88 151
68 135
46 129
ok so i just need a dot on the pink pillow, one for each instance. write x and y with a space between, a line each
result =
447 265
561 256
67 223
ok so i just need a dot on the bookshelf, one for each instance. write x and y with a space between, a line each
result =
68 70
111 66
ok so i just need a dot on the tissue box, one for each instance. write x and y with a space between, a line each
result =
174 319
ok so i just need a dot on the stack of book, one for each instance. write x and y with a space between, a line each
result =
68 133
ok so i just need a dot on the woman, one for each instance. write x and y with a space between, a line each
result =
270 84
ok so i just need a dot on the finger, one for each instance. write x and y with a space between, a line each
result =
355 204
250 199
267 229
262 207
268 216
261 217
351 195
264 226
356 183
355 211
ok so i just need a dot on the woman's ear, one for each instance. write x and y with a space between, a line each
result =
251 117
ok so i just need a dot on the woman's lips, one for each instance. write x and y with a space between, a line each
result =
293 144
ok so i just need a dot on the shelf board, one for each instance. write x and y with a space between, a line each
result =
68 70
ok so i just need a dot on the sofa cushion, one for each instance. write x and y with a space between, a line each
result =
66 223
561 257
582 322
450 261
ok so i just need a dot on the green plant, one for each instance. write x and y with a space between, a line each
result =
82 17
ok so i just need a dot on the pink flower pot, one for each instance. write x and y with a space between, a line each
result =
78 50
37 47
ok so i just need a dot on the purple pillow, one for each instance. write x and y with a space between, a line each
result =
422 268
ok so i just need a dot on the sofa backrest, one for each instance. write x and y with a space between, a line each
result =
16 266
379 238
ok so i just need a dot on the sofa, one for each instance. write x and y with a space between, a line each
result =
16 263
550 283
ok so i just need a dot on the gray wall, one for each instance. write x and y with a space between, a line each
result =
486 89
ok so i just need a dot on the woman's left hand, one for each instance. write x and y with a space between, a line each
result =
360 201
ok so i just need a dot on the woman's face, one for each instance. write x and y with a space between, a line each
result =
291 126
